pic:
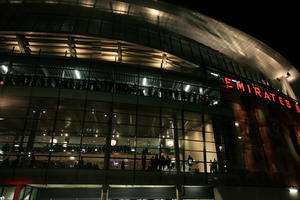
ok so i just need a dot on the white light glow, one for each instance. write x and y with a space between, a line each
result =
72 158
214 74
236 124
170 143
4 68
293 190
239 137
144 81
1 119
154 12
187 88
113 142
54 141
77 74
201 91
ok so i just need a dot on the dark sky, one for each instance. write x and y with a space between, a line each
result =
276 24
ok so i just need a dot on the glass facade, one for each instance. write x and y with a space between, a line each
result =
69 133
56 120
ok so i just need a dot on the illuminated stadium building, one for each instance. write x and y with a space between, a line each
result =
141 100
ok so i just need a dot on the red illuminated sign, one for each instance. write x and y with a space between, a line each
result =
263 94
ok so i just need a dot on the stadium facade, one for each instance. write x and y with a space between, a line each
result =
141 99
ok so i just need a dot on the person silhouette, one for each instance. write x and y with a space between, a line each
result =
190 162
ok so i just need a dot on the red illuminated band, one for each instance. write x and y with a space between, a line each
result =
260 93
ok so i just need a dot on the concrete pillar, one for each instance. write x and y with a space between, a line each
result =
179 192
104 194
18 192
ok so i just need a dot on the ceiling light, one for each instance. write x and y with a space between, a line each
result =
236 124
187 88
293 190
72 158
4 68
113 142
77 74
144 81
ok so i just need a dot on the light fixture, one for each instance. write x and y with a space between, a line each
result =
154 12
72 158
54 140
187 88
4 68
201 91
1 118
239 137
96 135
77 74
214 74
170 143
113 142
144 81
293 190
237 124
66 134
44 111
65 144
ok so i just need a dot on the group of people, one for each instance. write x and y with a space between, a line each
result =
156 163
104 86
213 166
160 163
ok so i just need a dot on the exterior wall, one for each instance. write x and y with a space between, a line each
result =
145 107
250 193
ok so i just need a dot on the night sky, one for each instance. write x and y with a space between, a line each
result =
276 24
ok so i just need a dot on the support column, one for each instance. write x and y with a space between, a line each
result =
179 192
104 194
18 192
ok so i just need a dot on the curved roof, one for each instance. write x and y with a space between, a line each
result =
219 36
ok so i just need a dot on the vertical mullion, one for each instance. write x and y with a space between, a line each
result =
204 141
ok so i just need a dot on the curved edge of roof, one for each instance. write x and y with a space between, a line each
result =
219 36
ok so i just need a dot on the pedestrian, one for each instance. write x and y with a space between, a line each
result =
144 161
215 165
168 162
190 162
123 165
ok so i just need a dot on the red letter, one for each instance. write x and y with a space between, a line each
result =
249 89
240 86
288 104
266 96
280 101
227 82
297 108
257 91
273 96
